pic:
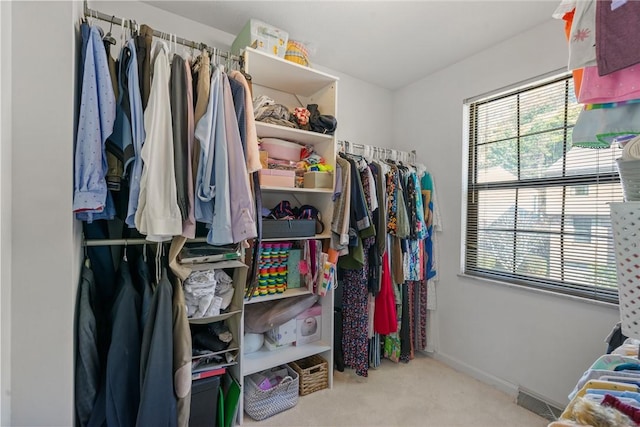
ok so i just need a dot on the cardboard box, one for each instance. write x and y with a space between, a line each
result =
277 178
316 179
261 36
283 334
309 325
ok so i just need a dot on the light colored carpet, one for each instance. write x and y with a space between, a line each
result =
423 392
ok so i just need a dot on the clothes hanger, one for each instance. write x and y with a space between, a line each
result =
108 38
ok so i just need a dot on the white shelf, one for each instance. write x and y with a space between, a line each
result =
295 189
293 292
277 73
269 130
211 319
265 359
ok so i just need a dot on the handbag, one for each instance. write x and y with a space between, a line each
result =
321 123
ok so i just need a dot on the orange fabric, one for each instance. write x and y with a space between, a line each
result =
577 74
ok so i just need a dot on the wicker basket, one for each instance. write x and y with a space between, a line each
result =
625 224
314 374
261 404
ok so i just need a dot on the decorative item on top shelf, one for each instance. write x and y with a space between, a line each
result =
262 37
297 52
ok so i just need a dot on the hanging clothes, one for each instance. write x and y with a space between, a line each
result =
179 124
157 398
91 200
123 361
87 378
212 183
385 314
341 210
137 133
252 154
201 71
158 216
243 216
189 223
181 355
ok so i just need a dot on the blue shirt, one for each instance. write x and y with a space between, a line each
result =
137 130
95 124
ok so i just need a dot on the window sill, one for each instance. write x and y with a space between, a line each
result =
539 291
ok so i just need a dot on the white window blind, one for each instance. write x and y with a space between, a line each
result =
537 207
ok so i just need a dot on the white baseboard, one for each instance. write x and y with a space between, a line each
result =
500 384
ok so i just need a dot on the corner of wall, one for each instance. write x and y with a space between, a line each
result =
5 213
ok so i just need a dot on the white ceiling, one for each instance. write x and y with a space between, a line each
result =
388 43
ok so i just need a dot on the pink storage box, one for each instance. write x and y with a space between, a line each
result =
277 178
281 149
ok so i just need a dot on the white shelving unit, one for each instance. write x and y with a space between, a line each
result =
233 316
294 85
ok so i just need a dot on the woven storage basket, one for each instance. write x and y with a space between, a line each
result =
261 404
625 223
314 374
629 171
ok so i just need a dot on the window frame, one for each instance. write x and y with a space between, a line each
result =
472 188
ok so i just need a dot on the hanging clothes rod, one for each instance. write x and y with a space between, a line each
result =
91 13
126 242
347 147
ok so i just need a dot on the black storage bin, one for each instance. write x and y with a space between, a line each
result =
204 402
283 228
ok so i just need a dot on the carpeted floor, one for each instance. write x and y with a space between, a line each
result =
423 392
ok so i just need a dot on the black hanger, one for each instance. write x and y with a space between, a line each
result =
108 38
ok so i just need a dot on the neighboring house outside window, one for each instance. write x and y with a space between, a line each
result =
537 209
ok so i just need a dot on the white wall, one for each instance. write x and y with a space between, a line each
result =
508 336
5 213
44 251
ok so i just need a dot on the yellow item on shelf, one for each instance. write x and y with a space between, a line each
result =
297 52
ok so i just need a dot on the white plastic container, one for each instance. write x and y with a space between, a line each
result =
261 36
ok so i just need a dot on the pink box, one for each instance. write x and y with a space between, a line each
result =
277 178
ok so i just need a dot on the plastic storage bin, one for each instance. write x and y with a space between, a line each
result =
282 149
204 402
263 37
261 404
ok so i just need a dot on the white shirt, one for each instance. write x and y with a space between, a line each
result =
158 215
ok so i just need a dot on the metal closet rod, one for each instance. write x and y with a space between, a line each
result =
134 241
410 154
91 13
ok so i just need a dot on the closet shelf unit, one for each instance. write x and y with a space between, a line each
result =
295 85
237 270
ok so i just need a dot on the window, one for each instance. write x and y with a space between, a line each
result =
537 207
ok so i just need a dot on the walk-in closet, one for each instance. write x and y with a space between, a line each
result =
332 213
